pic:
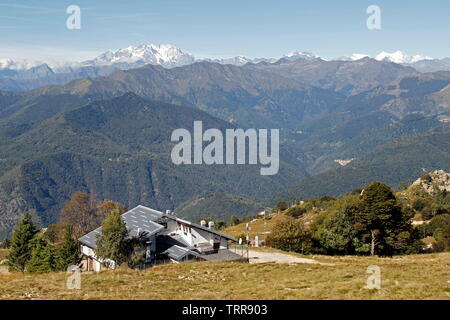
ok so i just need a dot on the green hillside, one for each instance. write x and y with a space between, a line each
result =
219 206
120 150
395 162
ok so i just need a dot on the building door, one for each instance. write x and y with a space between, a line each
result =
216 244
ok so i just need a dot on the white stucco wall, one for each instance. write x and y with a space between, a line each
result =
195 236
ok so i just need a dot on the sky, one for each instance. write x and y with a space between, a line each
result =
36 29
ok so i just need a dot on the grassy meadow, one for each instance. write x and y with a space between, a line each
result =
257 227
403 277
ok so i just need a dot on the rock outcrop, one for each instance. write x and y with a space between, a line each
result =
433 182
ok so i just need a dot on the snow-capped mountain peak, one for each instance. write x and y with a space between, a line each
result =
400 57
237 61
170 56
165 55
354 57
396 57
294 55
18 64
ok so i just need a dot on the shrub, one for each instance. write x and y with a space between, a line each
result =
418 204
220 224
234 220
427 213
334 229
296 212
290 234
439 228
281 206
426 177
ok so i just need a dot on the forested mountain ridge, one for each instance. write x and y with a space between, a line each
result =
120 150
395 162
408 106
101 135
345 77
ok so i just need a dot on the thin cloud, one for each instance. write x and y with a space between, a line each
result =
20 19
25 7
124 16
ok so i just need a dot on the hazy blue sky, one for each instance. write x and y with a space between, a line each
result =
213 28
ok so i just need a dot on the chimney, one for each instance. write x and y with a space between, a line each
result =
203 223
211 225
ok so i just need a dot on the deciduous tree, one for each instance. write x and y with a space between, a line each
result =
291 235
81 212
85 212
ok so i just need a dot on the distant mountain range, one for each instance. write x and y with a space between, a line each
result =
396 57
238 95
419 62
104 127
165 55
22 75
169 56
345 77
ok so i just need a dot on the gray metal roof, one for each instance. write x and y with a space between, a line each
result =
223 255
90 239
195 225
138 220
158 214
143 219
178 253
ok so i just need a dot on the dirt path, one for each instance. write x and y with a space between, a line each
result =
264 257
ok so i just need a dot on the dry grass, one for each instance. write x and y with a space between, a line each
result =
3 253
406 277
257 227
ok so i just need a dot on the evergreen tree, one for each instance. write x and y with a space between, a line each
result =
234 220
5 244
20 251
220 224
42 257
382 222
68 252
113 241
